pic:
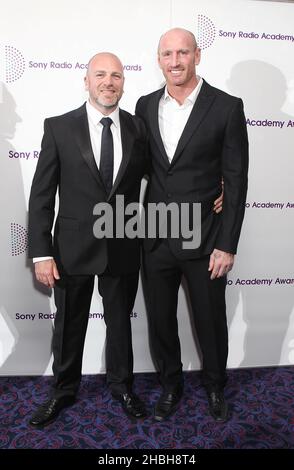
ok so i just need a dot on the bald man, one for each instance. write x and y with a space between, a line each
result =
90 156
197 137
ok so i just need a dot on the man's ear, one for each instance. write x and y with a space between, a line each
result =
197 56
158 60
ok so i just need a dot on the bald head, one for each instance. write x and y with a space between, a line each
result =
104 81
102 58
178 33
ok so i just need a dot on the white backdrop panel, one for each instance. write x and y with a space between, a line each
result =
44 48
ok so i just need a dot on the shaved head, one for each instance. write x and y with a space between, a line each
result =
102 57
179 31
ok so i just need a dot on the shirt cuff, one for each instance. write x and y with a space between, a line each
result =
41 258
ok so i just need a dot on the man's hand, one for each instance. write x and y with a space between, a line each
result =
220 263
46 272
218 203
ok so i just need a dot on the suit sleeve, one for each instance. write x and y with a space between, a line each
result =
140 114
234 171
138 110
42 197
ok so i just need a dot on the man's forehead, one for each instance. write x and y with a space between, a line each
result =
105 62
104 67
174 43
101 68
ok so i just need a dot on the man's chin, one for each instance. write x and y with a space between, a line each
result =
107 105
175 82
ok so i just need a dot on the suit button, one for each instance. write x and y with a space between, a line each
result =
169 195
170 173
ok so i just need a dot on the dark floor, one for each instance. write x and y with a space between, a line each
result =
261 403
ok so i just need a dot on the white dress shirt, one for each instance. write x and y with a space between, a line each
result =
95 128
172 118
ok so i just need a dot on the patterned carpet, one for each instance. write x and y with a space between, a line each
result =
261 403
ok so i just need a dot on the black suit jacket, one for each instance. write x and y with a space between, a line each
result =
67 163
213 145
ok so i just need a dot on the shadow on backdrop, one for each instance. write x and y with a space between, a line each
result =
265 238
25 344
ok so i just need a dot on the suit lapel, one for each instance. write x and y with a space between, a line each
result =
82 135
127 139
153 122
199 111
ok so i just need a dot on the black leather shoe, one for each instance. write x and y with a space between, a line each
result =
49 411
166 405
218 408
131 404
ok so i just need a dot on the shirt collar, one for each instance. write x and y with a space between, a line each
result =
191 98
96 115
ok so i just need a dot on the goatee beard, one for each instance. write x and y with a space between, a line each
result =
106 106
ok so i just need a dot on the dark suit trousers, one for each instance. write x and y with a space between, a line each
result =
73 299
162 273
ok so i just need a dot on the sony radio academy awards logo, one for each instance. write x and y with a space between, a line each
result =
13 64
19 239
207 33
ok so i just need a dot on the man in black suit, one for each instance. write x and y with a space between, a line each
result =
197 137
90 155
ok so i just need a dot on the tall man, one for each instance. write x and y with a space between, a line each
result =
197 137
90 155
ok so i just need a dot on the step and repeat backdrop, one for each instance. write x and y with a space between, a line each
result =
247 50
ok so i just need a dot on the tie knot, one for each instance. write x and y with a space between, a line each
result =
106 122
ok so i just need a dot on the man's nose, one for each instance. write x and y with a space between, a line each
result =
175 59
108 80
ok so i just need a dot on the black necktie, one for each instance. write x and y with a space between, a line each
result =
106 156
